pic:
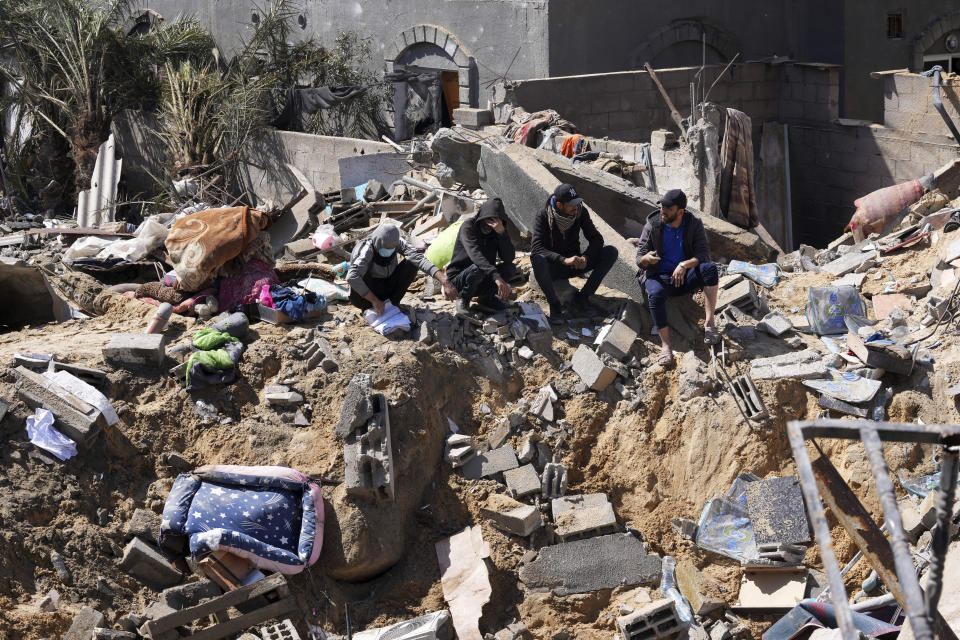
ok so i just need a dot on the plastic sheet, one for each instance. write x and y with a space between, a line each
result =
828 306
42 433
390 321
738 490
325 288
766 275
725 528
846 386
325 237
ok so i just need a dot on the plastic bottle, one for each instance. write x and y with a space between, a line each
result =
160 319
880 404
668 587
342 268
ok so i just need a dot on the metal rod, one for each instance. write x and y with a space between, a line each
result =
895 432
677 118
938 105
912 601
941 531
707 94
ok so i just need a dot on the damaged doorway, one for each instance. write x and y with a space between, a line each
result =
427 88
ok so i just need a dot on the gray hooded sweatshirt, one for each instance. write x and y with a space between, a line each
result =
365 260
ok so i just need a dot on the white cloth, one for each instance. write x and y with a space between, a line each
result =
391 320
85 392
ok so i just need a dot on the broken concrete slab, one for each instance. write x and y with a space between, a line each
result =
652 621
356 408
86 620
26 296
368 454
775 324
771 590
460 154
465 579
702 593
801 365
143 524
77 419
136 350
148 565
511 516
893 358
777 512
189 594
591 369
603 562
615 339
491 463
848 262
582 516
522 481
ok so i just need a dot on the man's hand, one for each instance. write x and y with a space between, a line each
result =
378 305
495 223
634 241
449 291
575 262
651 258
503 289
679 275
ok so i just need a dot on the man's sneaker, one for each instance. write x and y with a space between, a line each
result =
491 304
557 314
582 306
462 307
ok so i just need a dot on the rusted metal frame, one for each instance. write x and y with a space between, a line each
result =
677 118
887 431
818 519
941 531
912 599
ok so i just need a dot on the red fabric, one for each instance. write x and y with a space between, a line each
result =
569 147
875 211
245 288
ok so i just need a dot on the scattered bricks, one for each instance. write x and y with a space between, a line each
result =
472 118
591 369
615 339
491 463
283 630
522 481
802 365
499 434
742 295
357 408
777 512
282 396
686 529
651 621
603 562
511 516
74 417
190 594
553 483
86 620
148 565
103 633
459 449
321 353
369 455
542 406
775 324
748 398
848 262
582 516
136 350
834 404
528 449
703 594
889 357
515 631
143 524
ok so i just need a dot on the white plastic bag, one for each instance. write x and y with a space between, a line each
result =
325 237
42 433
86 247
150 235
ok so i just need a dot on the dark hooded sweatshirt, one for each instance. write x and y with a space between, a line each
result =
694 242
552 243
478 244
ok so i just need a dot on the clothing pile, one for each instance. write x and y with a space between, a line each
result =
217 350
525 128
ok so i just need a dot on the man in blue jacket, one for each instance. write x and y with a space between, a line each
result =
674 260
555 253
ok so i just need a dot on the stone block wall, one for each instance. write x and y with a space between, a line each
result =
808 92
908 103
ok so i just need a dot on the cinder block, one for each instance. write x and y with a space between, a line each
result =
148 565
615 339
591 369
520 521
553 483
74 417
657 619
369 455
582 516
472 118
86 620
491 463
522 481
136 350
104 633
143 524
190 594
283 630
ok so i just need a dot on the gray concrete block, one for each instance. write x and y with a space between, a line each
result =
472 118
148 565
848 262
591 369
775 324
283 630
615 339
521 521
582 516
448 147
603 562
657 619
104 633
356 408
553 483
189 594
802 365
777 512
143 524
136 350
522 481
74 417
86 620
368 453
491 463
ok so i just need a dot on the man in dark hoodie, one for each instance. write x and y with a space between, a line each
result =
474 269
556 253
674 260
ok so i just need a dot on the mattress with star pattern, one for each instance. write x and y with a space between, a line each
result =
271 515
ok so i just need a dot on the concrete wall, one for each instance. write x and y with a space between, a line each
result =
908 103
489 32
266 176
628 106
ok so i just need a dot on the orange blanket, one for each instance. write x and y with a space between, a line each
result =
201 243
569 147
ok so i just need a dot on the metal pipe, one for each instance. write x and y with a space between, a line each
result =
874 603
941 531
938 105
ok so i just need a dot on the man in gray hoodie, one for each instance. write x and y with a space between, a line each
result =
377 275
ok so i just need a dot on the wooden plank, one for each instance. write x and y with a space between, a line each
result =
247 620
241 595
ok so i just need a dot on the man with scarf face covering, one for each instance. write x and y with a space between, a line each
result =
377 275
556 253
474 268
